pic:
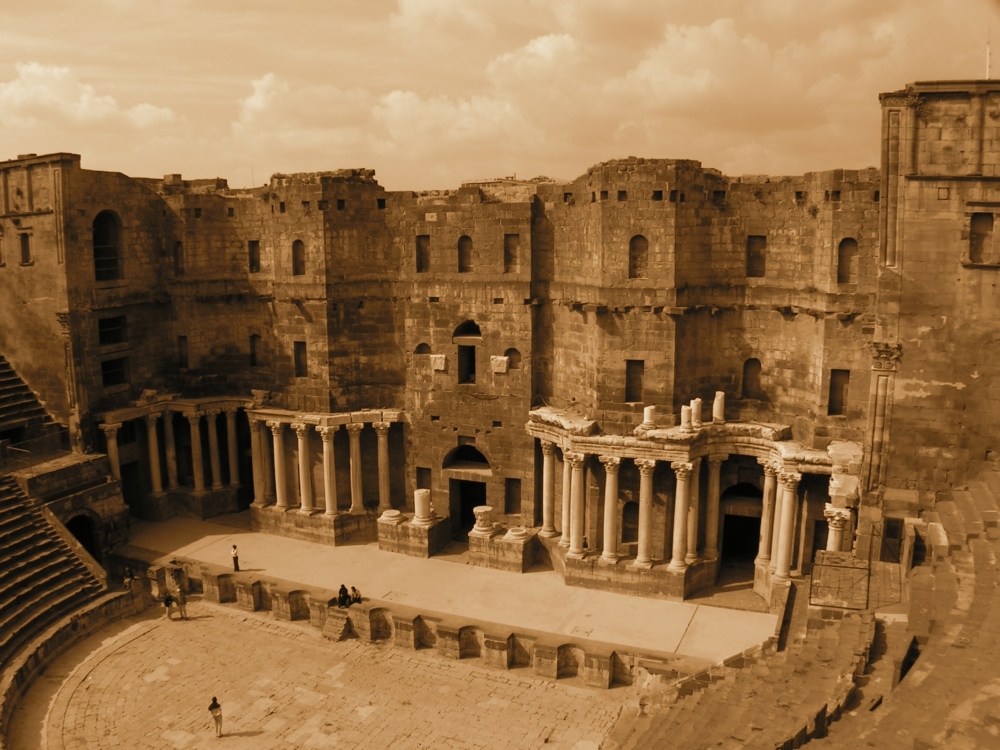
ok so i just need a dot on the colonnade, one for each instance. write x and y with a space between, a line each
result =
201 482
270 468
777 517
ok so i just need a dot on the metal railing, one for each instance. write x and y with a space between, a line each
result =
23 456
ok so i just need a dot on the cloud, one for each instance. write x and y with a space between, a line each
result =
41 94
445 15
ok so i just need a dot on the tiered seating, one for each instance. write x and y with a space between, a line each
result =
18 404
41 578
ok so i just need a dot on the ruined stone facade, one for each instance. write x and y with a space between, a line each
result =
818 349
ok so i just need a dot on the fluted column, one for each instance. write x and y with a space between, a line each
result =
576 504
305 474
170 448
548 490
566 488
280 481
779 499
256 456
767 514
837 520
644 557
789 482
354 433
611 466
382 431
682 470
111 438
213 447
694 501
153 443
267 461
329 469
197 459
234 462
712 505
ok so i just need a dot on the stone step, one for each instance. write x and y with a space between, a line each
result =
986 503
991 479
969 513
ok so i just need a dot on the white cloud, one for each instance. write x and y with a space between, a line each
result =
454 15
43 93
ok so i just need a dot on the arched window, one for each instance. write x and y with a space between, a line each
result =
298 258
630 523
513 359
464 254
847 260
468 337
980 237
751 379
422 349
638 257
107 246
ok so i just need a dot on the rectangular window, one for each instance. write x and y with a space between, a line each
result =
604 195
301 360
281 207
114 372
25 249
423 478
756 256
423 253
512 496
253 255
466 364
657 195
323 205
980 238
511 253
254 350
341 204
112 331
230 212
182 352
380 202
839 380
634 370
197 213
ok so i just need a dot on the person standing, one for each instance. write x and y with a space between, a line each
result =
168 602
236 559
181 600
215 708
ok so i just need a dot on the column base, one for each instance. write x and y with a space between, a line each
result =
604 560
564 542
331 514
308 511
642 564
762 561
548 533
358 511
779 577
574 555
217 487
259 504
677 566
691 559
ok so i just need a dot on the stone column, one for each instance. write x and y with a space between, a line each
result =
682 470
712 505
305 479
779 499
213 447
548 490
644 558
382 431
268 463
576 505
767 514
422 513
280 482
153 441
197 460
256 450
567 482
789 483
693 509
170 445
837 520
111 438
329 469
234 462
354 433
611 465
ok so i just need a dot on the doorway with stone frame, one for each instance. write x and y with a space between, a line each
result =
740 509
464 496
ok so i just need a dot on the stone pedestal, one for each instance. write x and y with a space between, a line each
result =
515 551
413 539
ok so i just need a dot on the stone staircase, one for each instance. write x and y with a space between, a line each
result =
19 406
950 697
779 700
41 579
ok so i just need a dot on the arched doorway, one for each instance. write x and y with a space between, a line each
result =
468 472
740 510
84 530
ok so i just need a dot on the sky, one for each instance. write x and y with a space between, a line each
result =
433 93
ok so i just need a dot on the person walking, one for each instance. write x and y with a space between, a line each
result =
215 708
236 559
168 602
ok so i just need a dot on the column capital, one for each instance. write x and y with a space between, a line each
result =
574 459
646 466
548 448
231 410
717 458
111 428
152 417
771 467
790 479
355 427
275 426
611 463
193 416
682 469
212 412
327 432
381 428
836 518
301 429
255 424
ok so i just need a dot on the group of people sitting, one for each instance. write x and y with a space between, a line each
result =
346 598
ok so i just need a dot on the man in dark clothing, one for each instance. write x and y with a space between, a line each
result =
236 560
343 597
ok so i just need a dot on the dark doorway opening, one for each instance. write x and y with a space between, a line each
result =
132 487
464 496
740 539
821 533
82 528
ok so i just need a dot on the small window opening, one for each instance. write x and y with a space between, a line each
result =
634 370
197 213
433 299
301 359
622 195
756 260
281 207
341 204
593 197
464 254
380 202
718 196
230 212
657 195
751 379
638 257
835 195
423 258
298 258
673 196
466 364
875 196
305 205
107 247
604 195
512 496
567 197
839 380
323 205
513 359
980 237
423 478
511 253
112 331
253 255
847 260
182 352
800 196
26 250
254 350
114 372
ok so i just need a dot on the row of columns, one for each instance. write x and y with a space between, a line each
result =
777 521
270 471
170 448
